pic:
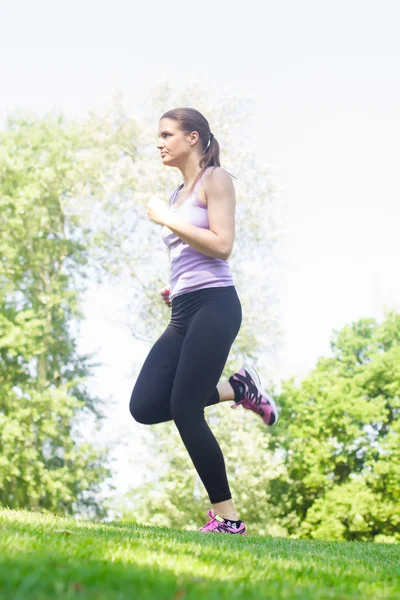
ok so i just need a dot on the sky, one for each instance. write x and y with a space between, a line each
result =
326 85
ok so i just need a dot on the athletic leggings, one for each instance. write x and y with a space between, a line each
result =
179 377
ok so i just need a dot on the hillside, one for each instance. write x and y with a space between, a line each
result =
45 557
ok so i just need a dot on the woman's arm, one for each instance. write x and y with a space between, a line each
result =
221 202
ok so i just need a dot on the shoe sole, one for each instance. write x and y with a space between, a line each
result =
256 378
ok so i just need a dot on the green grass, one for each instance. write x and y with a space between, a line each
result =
47 557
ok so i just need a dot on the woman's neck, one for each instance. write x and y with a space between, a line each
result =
189 173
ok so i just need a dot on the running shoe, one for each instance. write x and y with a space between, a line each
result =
220 525
254 397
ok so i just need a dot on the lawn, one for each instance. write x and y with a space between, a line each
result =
45 557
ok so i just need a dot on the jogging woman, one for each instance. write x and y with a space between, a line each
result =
180 376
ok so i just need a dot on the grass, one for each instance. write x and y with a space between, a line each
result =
45 557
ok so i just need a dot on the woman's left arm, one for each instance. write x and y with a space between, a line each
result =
221 202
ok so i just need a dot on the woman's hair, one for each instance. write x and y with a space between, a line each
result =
190 119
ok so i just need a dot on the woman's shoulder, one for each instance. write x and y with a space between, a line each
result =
217 176
215 169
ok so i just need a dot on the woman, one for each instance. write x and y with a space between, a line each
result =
180 375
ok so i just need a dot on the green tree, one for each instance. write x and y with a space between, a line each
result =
340 432
47 167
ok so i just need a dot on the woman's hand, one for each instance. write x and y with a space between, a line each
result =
157 210
165 295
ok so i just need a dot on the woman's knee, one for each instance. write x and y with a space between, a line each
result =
149 409
139 412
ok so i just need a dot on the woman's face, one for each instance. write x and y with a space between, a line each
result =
174 146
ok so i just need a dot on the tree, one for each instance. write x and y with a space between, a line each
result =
340 434
45 166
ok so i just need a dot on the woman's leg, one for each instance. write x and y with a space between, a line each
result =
225 392
204 352
150 399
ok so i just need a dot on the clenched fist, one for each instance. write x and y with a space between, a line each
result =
157 210
165 295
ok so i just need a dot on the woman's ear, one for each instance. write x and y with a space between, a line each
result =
194 136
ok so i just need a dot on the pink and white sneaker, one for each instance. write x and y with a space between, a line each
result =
220 525
253 397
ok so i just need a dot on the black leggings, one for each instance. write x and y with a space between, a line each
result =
180 374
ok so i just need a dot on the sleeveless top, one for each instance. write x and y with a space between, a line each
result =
190 269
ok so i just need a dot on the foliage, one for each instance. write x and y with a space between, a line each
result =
340 433
43 266
73 199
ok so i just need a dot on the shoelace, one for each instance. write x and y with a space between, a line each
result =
257 397
254 396
209 525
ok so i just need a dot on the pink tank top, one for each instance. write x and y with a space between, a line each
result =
190 269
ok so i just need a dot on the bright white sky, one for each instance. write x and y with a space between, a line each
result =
326 81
